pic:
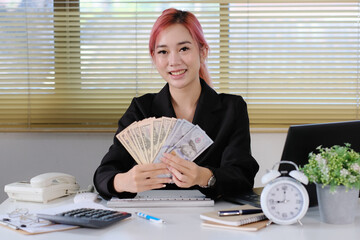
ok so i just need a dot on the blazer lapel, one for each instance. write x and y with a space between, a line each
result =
209 104
206 115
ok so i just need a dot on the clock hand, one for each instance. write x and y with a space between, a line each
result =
284 196
285 201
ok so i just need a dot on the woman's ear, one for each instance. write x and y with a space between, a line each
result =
203 54
152 57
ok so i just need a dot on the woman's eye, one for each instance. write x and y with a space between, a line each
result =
162 52
183 49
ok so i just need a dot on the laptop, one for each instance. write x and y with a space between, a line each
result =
300 141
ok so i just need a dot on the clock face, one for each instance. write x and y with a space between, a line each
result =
284 201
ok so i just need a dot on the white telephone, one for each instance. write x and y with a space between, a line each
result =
43 188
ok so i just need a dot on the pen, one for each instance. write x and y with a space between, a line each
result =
150 218
9 225
238 212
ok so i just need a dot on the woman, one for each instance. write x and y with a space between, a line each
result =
179 52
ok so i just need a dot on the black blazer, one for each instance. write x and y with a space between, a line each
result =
223 117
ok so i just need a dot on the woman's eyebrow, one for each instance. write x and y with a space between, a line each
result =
180 43
184 42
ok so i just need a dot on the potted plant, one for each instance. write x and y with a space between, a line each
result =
336 173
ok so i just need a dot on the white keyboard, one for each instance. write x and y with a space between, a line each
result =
164 198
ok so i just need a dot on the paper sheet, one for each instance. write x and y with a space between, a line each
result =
45 226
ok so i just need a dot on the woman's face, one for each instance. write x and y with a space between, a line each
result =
177 56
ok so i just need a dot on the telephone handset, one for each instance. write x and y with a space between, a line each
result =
46 179
43 188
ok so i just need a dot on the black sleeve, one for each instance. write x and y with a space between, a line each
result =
117 159
237 168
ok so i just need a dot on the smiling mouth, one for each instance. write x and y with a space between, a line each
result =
178 72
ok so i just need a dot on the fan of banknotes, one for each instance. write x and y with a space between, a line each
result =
148 139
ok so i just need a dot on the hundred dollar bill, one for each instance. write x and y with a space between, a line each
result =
167 125
126 142
145 128
133 143
160 149
176 126
181 127
184 128
135 131
190 146
127 139
155 136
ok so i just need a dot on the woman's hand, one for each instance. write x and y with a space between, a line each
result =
186 173
142 178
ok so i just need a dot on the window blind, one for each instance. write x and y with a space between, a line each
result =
76 64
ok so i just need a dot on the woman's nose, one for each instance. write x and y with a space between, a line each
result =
174 59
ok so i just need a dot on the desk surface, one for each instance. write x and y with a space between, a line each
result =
185 224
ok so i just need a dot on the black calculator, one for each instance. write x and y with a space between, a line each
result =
87 217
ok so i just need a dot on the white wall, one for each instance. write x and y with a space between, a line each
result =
24 155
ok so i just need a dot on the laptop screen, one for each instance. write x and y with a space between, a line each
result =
303 139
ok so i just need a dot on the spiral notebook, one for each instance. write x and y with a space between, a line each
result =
237 220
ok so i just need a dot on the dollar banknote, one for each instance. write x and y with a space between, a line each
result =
192 144
180 129
147 140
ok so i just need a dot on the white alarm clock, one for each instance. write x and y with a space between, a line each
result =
284 200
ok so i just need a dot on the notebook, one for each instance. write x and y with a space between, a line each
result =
237 220
164 198
251 227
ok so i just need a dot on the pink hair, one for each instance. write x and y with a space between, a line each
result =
187 19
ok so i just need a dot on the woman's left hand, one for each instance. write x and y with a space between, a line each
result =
186 173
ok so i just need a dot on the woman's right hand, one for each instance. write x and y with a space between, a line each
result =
142 178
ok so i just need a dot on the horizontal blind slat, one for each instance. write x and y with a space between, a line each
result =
71 65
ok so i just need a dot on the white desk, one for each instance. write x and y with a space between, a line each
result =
185 224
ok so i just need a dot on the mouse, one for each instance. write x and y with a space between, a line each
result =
86 197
